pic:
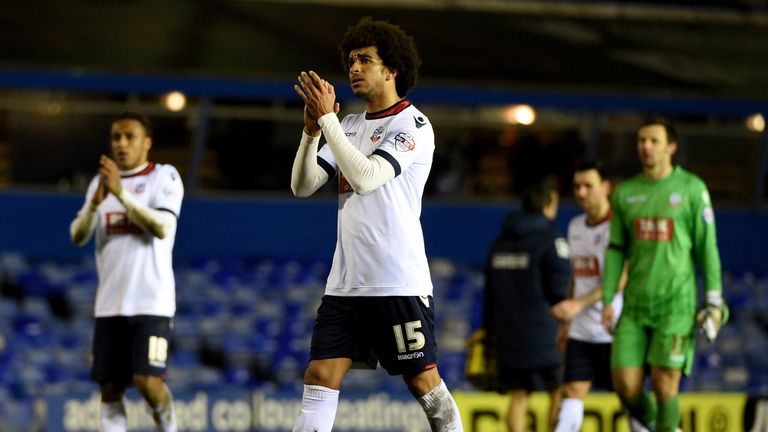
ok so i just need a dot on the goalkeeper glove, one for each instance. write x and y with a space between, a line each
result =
711 319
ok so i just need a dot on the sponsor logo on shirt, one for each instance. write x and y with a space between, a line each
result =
344 186
119 223
636 199
654 229
420 121
511 261
377 134
675 199
139 188
585 266
404 142
350 134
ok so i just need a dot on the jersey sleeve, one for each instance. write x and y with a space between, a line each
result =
409 140
616 252
704 237
326 161
169 192
83 225
89 193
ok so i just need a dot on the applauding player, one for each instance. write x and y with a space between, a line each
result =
132 206
378 304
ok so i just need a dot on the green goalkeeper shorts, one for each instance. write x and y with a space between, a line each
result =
668 343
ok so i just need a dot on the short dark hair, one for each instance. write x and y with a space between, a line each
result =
538 195
396 49
669 128
139 117
590 164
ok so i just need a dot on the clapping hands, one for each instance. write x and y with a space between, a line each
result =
319 98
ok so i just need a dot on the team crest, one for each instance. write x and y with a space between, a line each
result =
675 199
708 215
404 142
377 134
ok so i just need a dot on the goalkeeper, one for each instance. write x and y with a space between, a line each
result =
662 223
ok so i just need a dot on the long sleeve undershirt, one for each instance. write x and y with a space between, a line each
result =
306 175
159 223
82 226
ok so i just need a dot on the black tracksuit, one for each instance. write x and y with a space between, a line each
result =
527 272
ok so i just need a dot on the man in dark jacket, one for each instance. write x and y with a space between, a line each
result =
527 272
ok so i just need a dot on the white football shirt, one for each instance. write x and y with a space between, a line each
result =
135 268
380 245
588 244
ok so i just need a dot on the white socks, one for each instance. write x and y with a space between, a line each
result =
571 415
441 410
164 414
113 417
318 409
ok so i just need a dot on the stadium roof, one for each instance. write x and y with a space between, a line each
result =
705 48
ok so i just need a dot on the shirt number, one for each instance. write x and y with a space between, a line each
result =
158 349
415 337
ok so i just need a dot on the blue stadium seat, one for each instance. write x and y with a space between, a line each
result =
259 314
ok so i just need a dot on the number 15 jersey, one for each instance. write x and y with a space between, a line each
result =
380 244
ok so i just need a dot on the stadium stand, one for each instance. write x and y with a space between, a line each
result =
246 323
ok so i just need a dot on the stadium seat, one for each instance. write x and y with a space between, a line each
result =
247 322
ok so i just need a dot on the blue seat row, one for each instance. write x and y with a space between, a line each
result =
248 322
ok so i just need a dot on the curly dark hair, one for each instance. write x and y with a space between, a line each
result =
396 49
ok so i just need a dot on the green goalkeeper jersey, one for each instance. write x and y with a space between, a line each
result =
661 227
